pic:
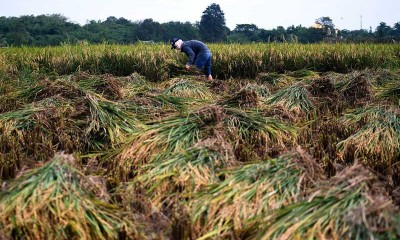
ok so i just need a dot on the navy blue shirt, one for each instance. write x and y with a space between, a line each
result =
194 48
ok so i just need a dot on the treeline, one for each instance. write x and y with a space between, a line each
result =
45 30
50 30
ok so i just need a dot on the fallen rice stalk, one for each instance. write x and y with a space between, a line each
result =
251 192
54 202
351 205
373 125
296 99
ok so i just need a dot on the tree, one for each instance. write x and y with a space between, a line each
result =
118 30
148 30
396 27
327 24
251 31
237 37
396 31
382 30
297 34
358 36
184 31
18 34
212 26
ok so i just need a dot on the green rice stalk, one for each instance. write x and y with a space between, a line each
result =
21 119
178 133
179 103
349 81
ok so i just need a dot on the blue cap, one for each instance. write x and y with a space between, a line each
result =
173 41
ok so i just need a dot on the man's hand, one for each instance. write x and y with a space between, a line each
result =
187 67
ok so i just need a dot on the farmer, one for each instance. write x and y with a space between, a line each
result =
198 53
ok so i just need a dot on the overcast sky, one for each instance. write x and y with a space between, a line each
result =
346 14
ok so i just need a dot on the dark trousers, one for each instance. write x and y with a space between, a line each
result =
204 61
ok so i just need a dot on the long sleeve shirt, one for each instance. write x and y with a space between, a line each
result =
194 48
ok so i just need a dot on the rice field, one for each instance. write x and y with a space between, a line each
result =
289 141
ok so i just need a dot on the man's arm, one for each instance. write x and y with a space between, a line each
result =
189 52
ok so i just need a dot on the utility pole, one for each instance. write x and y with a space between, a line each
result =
361 22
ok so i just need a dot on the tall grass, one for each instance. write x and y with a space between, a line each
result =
230 60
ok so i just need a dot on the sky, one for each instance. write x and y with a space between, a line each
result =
346 14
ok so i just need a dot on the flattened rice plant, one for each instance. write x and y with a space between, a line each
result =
351 205
53 202
109 117
35 132
257 136
390 91
189 89
355 87
177 103
178 133
326 98
21 119
251 192
245 98
182 173
168 136
252 125
303 73
262 90
296 99
46 88
269 77
152 107
12 139
377 139
385 76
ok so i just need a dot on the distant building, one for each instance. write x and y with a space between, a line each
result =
317 26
